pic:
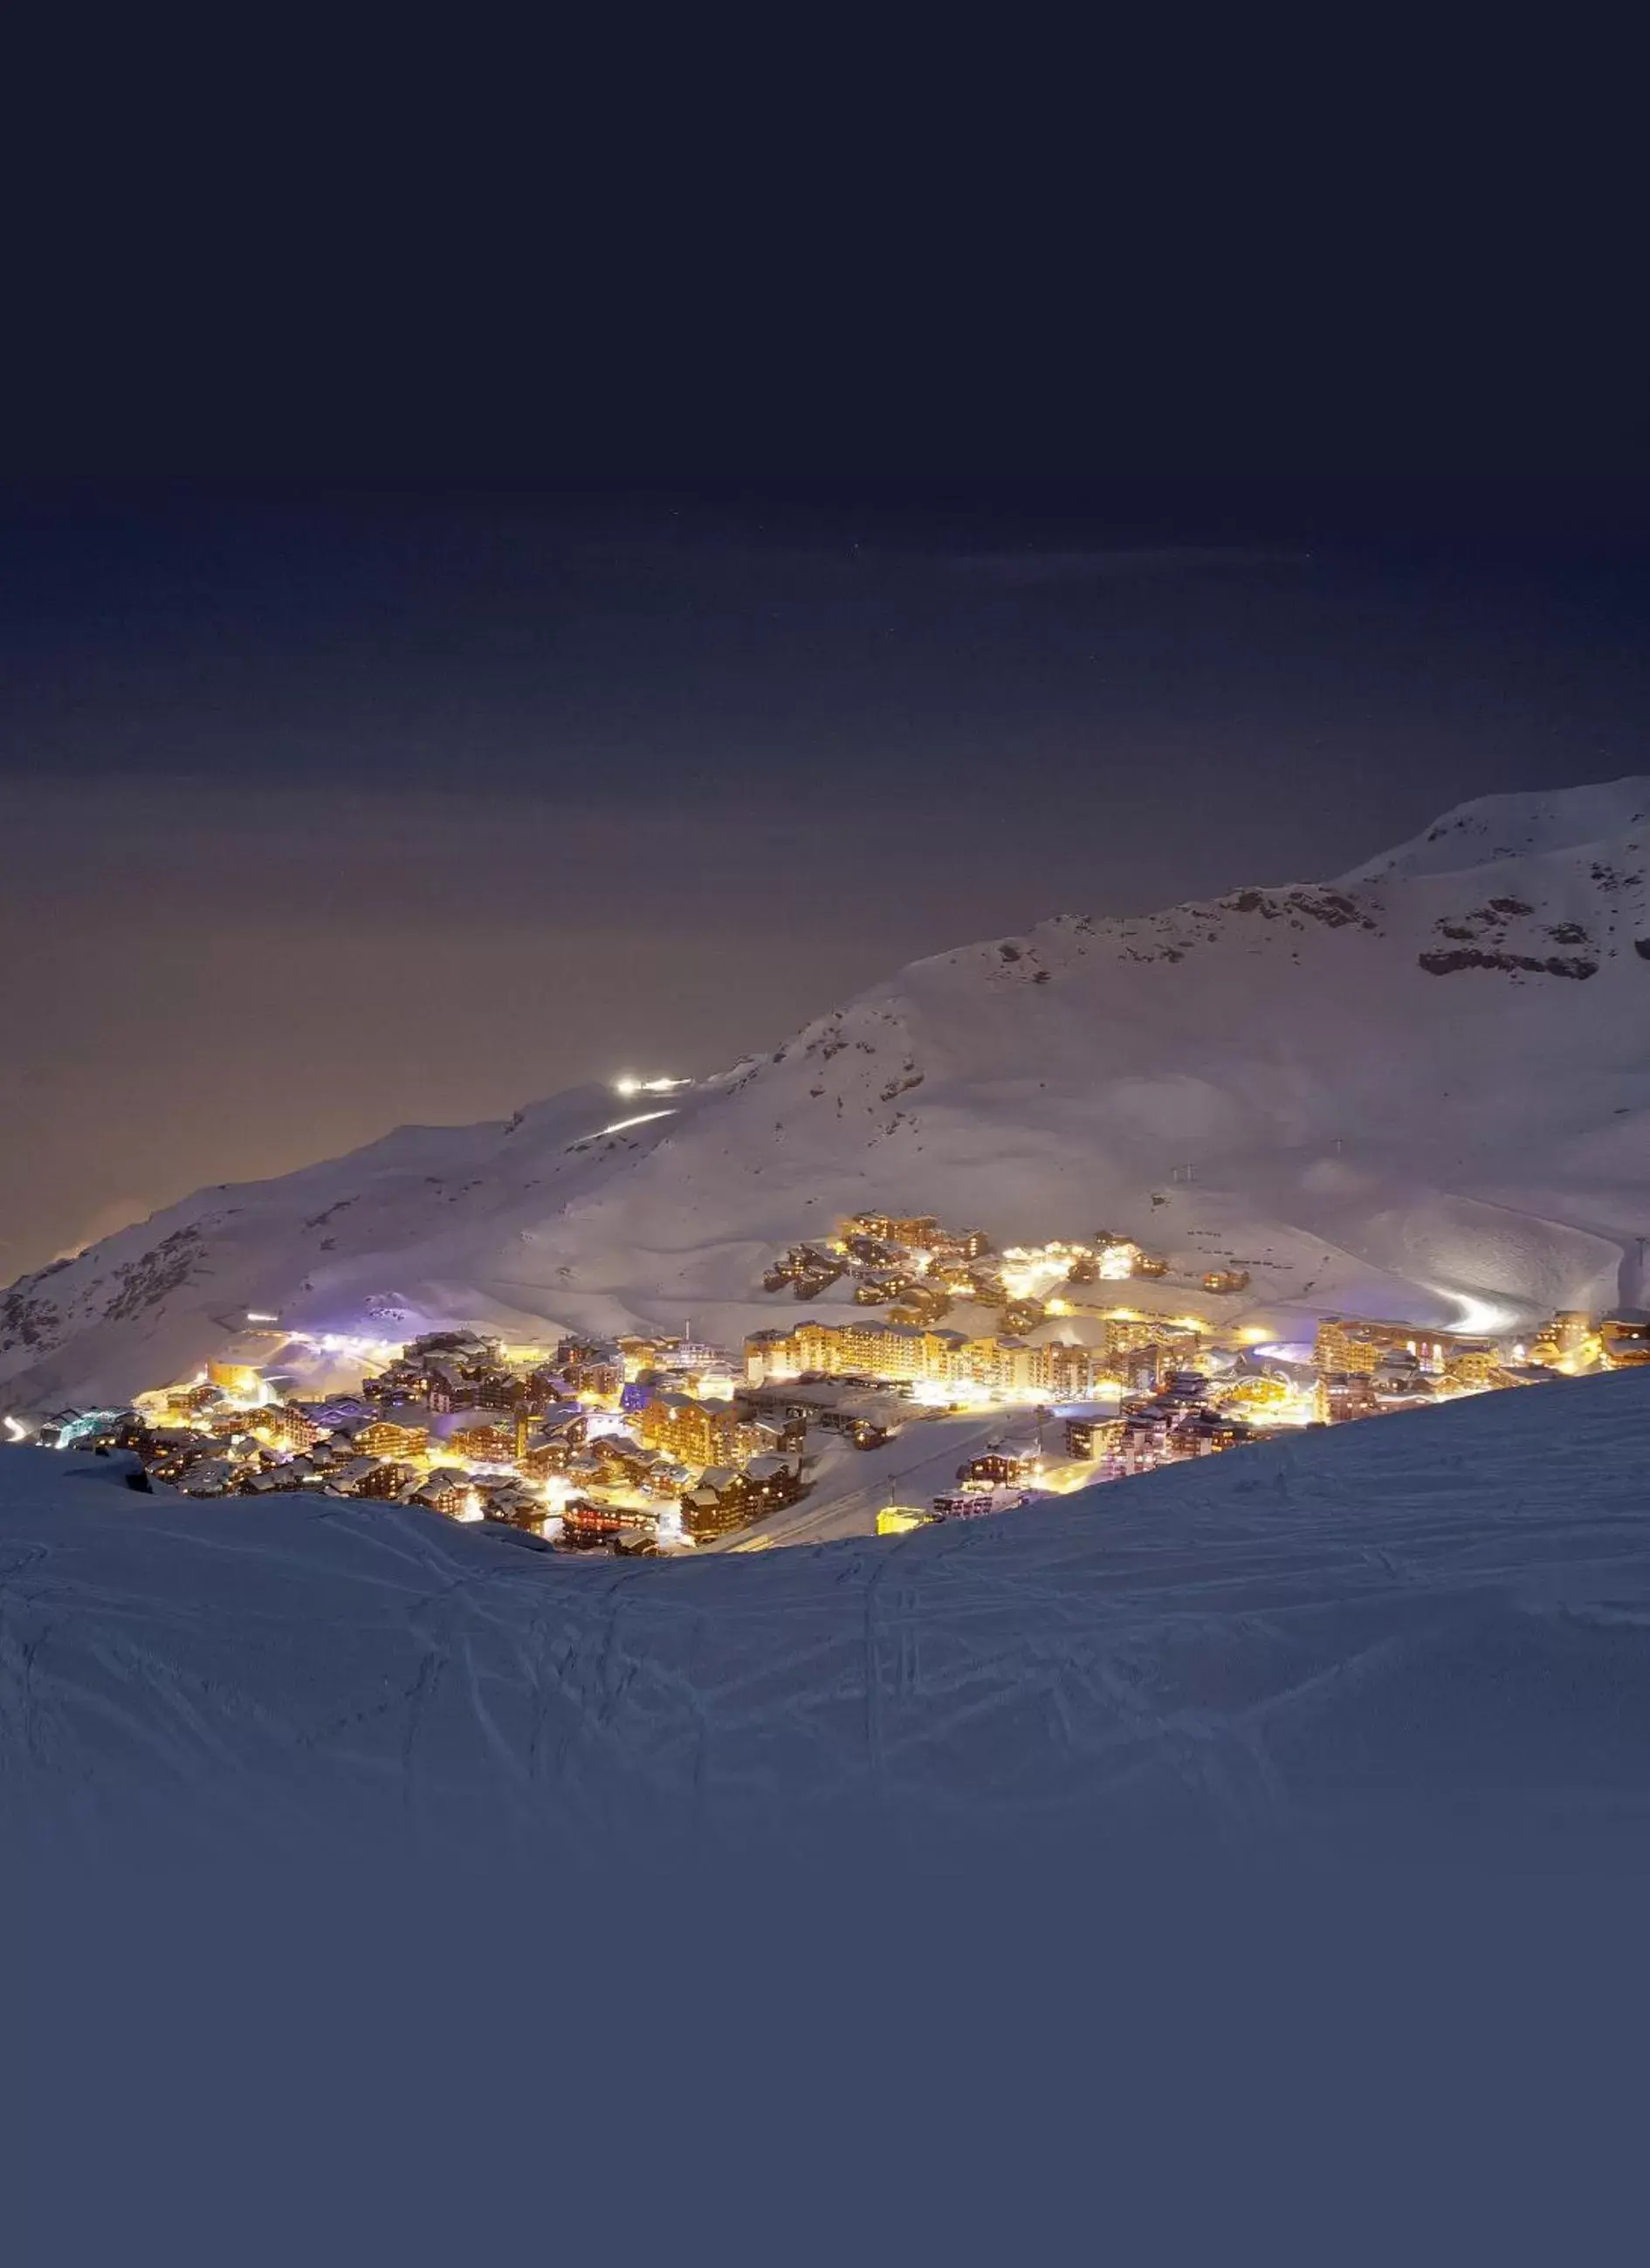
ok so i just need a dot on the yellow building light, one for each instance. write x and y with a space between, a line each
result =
900 1519
235 1378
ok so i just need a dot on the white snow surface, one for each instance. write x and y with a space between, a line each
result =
1396 1630
1273 1078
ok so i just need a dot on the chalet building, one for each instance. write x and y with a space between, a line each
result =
622 1459
803 1265
1144 1368
906 1230
366 1475
603 1377
1069 1372
542 1458
949 1248
1472 1362
716 1507
1625 1336
864 1432
283 1426
383 1437
1127 1334
1352 1343
543 1389
585 1523
211 1476
471 1349
447 1491
484 1445
1566 1339
274 1480
389 1479
567 1425
692 1432
508 1501
496 1390
998 1468
1347 1394
726 1499
772 1483
1205 1430
778 1416
1090 1437
1184 1388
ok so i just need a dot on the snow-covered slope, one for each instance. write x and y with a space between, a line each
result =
1386 1631
1421 1091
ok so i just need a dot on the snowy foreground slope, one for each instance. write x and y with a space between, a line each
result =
1423 1091
1413 1628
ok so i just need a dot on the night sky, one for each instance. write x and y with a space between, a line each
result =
319 817
444 662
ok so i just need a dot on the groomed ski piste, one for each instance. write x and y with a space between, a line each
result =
1383 1636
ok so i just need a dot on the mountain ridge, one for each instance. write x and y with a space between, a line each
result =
1418 1089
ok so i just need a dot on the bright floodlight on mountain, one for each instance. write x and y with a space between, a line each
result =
630 1084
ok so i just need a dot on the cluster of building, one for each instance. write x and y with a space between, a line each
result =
1366 1367
636 1444
646 1442
940 1366
1357 1367
919 1269
1140 1390
1179 1418
914 1354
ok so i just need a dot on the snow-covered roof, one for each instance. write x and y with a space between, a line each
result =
353 1469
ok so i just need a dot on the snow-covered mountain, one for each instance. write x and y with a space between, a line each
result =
1421 1089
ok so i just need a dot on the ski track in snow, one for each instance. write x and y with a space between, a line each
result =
1435 1615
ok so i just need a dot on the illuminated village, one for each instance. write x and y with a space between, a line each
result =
649 1444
